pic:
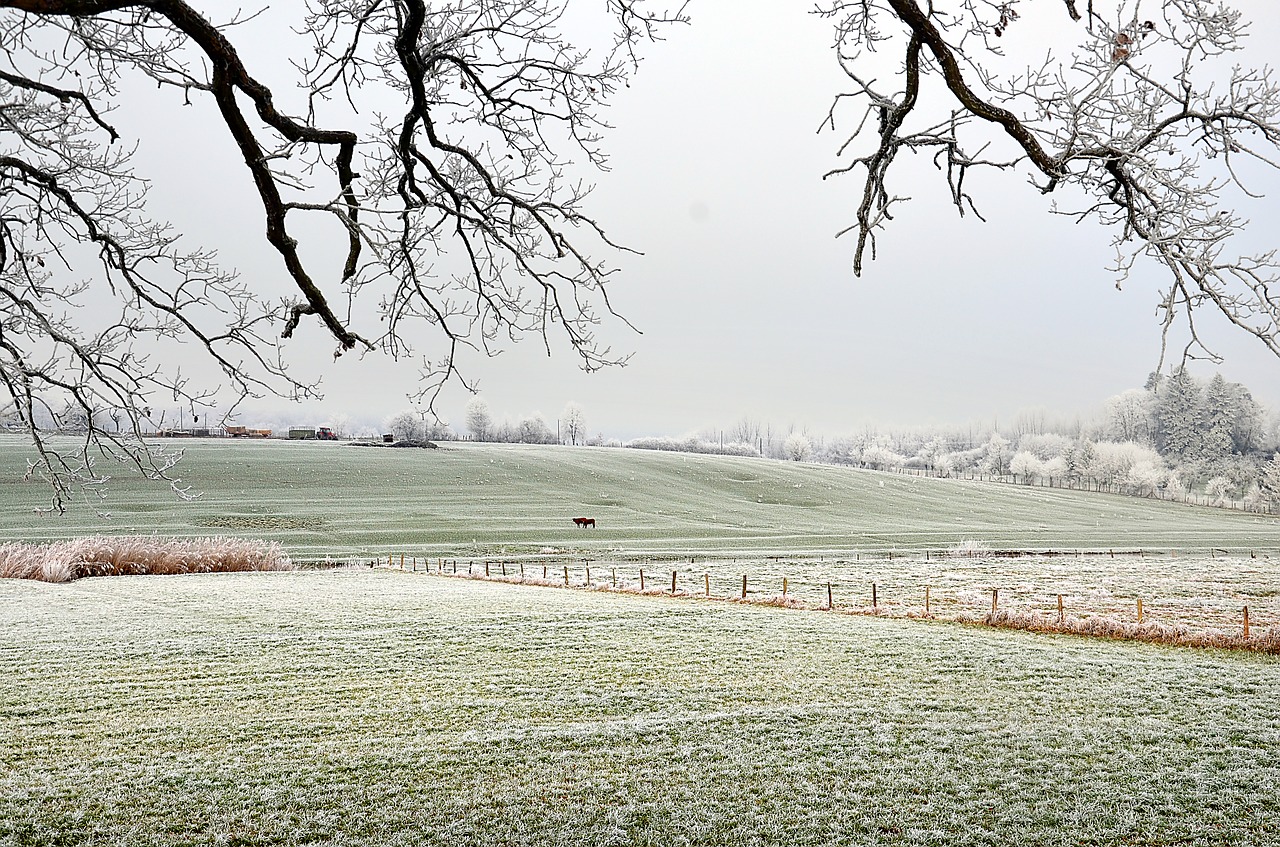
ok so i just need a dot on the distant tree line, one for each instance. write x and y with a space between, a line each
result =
1175 437
571 427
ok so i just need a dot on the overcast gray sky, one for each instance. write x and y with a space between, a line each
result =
746 300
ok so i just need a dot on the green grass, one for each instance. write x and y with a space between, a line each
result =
698 515
326 499
369 707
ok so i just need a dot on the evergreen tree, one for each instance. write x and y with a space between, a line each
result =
1180 417
1220 409
1247 426
1269 480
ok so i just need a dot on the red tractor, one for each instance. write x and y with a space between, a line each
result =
324 433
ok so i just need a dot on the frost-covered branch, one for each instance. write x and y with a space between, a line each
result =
1135 122
444 141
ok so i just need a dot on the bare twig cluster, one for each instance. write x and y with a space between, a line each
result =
1133 116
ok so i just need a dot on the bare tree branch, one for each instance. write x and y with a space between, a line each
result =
462 215
1128 122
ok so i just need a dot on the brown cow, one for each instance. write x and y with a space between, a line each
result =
583 523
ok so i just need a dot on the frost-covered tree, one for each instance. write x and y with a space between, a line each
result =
1269 480
1144 477
1054 469
1220 411
479 421
797 447
1026 465
931 451
1114 460
532 429
1180 417
996 455
574 422
1078 460
406 425
879 455
1044 446
1218 490
1129 416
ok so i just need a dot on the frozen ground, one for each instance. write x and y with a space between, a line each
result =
1197 591
326 499
364 707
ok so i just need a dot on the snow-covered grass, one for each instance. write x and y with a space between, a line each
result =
63 561
323 499
366 707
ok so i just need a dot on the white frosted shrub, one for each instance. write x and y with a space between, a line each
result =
1025 465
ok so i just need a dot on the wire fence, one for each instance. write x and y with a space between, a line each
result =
1234 611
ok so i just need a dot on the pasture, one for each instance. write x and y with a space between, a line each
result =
362 707
709 519
330 500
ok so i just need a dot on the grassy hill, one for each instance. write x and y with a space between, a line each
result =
464 499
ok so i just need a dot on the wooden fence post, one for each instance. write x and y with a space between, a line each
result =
504 568
830 605
744 586
388 560
995 600
1061 614
784 586
706 585
486 568
642 579
1139 610
544 571
402 561
1246 621
875 604
566 574
926 601
588 576
673 582
522 570
615 577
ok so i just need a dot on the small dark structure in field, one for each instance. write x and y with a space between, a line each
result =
583 523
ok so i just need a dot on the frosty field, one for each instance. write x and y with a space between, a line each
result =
326 499
710 519
362 707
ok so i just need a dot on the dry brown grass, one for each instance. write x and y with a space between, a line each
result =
1262 640
63 561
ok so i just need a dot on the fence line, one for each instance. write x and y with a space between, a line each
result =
1247 635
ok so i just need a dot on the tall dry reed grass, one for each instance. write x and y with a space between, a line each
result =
63 561
1262 640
